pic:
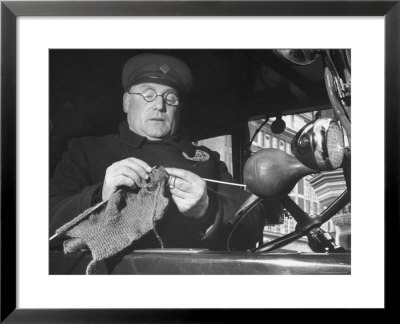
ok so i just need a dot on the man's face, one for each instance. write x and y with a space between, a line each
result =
156 119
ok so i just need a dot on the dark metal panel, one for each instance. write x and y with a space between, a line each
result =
207 263
239 263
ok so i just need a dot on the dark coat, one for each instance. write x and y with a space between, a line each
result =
78 178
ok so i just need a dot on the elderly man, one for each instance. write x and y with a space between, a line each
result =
93 169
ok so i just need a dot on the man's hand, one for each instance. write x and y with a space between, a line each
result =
130 172
189 192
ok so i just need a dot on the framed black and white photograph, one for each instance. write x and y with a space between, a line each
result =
196 151
242 117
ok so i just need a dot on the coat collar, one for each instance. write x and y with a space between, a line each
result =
134 140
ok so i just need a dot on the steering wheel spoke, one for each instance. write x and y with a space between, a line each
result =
279 242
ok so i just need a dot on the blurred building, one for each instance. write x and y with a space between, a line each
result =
313 193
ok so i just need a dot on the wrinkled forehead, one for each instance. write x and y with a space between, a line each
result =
159 88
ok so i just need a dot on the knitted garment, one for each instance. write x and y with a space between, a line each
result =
111 226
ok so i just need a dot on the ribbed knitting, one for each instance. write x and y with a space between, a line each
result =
125 218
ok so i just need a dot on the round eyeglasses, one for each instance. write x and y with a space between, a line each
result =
149 94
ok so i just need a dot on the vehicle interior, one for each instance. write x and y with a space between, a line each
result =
231 87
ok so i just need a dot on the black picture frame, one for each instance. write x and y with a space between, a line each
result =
11 10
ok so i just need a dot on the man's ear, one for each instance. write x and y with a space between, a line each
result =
125 101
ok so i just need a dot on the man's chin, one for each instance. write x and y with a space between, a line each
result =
157 136
153 133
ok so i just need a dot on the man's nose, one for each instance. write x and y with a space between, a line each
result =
159 103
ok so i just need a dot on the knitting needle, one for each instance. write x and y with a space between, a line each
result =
227 183
222 182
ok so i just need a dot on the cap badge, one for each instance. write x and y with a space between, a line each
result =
164 68
200 156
